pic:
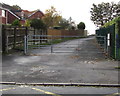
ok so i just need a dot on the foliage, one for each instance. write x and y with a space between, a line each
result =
112 22
37 24
16 23
103 13
72 25
51 17
17 7
81 25
64 24
27 23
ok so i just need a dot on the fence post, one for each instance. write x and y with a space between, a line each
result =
3 39
7 44
104 44
25 45
26 31
51 44
14 38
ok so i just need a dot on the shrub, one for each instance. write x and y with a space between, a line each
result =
16 23
81 25
37 24
112 22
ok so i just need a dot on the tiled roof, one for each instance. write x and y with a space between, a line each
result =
18 13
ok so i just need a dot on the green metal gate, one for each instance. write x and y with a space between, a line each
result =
112 33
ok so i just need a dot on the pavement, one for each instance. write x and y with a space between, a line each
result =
85 63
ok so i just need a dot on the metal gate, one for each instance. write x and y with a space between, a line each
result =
103 42
51 44
64 44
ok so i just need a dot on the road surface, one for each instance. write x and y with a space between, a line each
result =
85 64
23 90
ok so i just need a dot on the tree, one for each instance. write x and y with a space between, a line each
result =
17 7
27 23
51 17
37 24
64 24
81 25
71 24
103 13
16 23
112 22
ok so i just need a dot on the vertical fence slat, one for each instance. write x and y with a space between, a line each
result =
14 45
15 37
25 48
3 39
7 44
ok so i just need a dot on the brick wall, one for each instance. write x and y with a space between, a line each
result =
38 14
11 18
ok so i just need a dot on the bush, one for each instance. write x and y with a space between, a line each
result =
16 23
37 24
27 23
111 22
81 25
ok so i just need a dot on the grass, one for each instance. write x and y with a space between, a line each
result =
56 41
118 67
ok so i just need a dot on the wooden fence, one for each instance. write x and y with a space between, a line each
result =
59 33
13 37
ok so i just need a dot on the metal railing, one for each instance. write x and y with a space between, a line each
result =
45 41
103 42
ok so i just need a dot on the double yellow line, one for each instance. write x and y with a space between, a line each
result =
46 92
115 94
7 89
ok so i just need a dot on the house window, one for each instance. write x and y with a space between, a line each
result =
3 13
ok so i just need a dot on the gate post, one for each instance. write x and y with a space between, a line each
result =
25 44
7 44
51 44
104 44
15 30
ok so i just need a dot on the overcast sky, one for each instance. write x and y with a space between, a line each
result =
79 10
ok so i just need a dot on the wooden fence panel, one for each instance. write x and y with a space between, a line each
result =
13 37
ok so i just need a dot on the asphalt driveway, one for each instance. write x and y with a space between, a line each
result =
84 65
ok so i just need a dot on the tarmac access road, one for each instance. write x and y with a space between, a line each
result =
84 64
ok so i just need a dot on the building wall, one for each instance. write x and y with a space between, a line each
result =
0 12
11 18
36 15
0 16
3 20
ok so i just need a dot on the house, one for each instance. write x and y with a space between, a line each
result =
37 14
8 14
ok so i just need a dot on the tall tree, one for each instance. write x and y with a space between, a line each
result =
103 13
37 24
52 17
64 24
16 7
81 25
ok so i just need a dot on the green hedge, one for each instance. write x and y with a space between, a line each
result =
112 22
